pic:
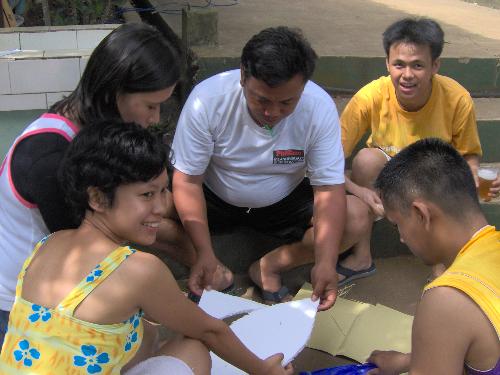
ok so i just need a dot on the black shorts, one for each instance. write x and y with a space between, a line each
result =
287 219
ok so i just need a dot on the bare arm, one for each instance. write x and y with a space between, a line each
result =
191 206
329 221
441 338
473 161
175 311
370 197
389 362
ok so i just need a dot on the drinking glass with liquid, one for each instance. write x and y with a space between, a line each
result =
486 177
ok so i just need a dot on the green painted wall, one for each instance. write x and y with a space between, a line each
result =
12 124
347 73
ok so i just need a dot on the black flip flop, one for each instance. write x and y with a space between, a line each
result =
351 275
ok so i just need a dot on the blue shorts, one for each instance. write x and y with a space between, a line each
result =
287 219
4 321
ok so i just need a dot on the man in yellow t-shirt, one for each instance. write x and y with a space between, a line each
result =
412 103
428 192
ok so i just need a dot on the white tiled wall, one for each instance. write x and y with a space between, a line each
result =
47 75
55 40
4 78
53 97
22 102
9 41
90 38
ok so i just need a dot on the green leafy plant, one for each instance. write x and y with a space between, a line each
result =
79 12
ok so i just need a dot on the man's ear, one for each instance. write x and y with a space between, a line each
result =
387 64
242 77
436 64
423 212
97 199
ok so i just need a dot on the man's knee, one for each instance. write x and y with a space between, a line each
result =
358 224
367 165
359 217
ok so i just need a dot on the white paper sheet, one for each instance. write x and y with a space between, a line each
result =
282 328
221 305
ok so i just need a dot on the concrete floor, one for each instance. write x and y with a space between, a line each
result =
397 284
349 27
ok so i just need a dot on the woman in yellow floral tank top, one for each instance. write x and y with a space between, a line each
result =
81 294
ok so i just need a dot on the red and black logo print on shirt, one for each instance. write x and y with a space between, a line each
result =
288 156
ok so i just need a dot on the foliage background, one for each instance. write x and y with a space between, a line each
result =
72 12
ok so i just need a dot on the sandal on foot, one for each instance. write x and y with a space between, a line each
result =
351 275
276 297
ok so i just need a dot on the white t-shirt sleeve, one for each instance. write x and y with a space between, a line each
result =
325 160
193 141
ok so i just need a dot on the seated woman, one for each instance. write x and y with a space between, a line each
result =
81 295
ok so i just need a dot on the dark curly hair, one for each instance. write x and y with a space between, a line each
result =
277 54
108 155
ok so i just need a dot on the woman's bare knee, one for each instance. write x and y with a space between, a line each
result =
193 352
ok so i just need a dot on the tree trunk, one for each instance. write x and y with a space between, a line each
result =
1 14
46 12
189 67
74 12
107 11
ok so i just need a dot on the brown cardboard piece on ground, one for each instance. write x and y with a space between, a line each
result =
355 329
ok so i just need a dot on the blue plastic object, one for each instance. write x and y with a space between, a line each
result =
342 370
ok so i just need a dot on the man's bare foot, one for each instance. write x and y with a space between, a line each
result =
223 278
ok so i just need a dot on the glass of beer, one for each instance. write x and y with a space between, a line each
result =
486 177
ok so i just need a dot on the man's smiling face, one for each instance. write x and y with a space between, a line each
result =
411 69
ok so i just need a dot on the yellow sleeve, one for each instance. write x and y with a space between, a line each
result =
355 121
465 137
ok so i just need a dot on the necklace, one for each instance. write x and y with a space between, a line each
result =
268 128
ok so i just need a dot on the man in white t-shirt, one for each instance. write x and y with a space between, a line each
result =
260 146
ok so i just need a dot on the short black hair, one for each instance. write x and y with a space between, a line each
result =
277 54
106 156
421 31
133 58
431 169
